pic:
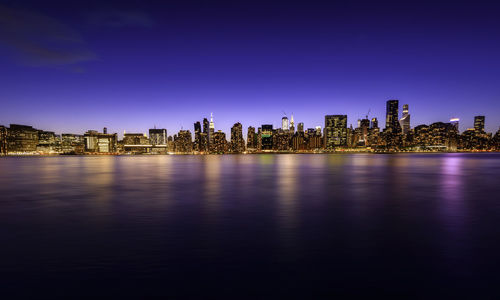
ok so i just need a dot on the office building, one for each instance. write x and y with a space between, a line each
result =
405 120
251 138
237 141
335 131
96 142
284 124
479 124
267 137
392 117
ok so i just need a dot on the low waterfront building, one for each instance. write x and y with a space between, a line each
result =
22 139
96 142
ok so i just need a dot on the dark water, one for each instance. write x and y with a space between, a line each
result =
251 226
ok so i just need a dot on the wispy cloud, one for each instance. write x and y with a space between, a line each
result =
120 19
40 40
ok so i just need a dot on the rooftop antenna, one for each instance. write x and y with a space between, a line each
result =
368 113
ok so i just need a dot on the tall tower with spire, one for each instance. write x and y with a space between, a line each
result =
211 131
292 125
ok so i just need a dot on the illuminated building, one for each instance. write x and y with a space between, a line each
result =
292 125
335 131
3 140
237 141
374 123
455 123
72 143
267 137
158 140
300 127
362 131
479 124
315 142
251 138
299 142
96 142
259 139
220 145
21 139
318 130
211 130
405 120
48 142
197 136
281 140
284 123
391 116
136 143
183 142
158 137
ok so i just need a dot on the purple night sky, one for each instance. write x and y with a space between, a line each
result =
73 66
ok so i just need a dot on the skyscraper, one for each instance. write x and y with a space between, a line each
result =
267 137
405 120
204 140
479 123
197 136
335 131
284 124
211 130
392 116
251 138
374 123
158 136
300 127
292 125
237 142
455 123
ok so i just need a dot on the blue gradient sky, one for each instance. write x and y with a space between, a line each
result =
72 66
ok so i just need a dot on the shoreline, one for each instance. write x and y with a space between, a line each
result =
256 153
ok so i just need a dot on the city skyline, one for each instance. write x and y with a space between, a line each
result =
397 136
129 66
462 123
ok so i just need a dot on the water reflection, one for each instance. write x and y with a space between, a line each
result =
369 218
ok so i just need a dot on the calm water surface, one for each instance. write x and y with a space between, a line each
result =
251 226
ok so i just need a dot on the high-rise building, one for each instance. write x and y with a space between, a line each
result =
259 139
197 136
455 123
183 141
292 125
158 137
392 116
251 138
374 123
479 124
220 143
318 130
237 141
267 137
364 126
300 127
284 123
204 140
335 131
211 130
205 126
405 120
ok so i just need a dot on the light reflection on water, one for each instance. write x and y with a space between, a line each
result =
371 218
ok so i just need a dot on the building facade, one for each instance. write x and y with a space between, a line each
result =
335 131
